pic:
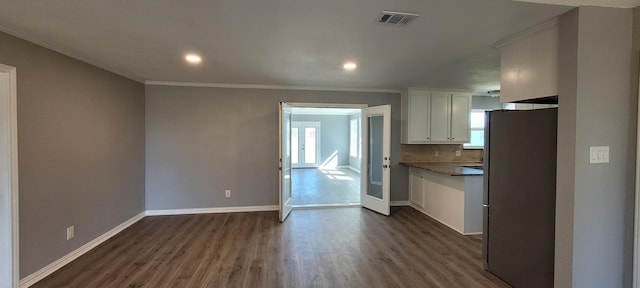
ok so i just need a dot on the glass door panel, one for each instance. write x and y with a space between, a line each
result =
310 143
375 157
294 145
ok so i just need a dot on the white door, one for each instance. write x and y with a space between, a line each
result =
285 161
8 179
376 147
305 144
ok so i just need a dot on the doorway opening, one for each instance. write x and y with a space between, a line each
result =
325 156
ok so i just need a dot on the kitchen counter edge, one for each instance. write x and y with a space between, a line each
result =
447 168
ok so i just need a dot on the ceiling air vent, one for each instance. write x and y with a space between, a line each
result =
396 18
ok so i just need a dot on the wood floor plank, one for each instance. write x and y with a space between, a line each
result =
346 247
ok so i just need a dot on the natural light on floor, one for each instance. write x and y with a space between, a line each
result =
335 174
331 162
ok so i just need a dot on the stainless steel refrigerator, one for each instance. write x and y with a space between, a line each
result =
519 196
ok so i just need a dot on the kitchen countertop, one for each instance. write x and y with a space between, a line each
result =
448 168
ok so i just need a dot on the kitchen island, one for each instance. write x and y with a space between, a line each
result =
450 193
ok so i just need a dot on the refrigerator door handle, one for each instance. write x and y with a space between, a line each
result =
485 205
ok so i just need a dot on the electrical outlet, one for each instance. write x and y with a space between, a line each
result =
437 153
70 232
227 193
458 153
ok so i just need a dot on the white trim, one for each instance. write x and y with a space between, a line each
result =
399 203
327 105
266 86
353 169
598 3
66 259
11 113
528 32
212 210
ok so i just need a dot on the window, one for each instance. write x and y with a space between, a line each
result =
353 137
477 129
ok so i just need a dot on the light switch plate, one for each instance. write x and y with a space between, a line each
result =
599 154
70 232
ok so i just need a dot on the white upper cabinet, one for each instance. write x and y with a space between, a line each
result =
440 117
435 117
460 113
419 107
529 64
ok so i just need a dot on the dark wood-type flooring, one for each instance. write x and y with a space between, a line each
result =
345 247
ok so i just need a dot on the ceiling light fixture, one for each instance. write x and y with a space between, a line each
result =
349 66
193 58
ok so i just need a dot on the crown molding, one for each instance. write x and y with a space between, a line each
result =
526 33
268 87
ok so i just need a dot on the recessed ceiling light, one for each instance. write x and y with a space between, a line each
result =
349 66
193 58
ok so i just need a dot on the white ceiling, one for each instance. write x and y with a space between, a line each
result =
282 42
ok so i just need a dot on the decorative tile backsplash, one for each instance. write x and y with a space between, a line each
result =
445 152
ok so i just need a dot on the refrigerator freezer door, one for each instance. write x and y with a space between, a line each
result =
521 196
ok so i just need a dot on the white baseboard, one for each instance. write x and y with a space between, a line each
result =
212 210
399 203
47 270
353 169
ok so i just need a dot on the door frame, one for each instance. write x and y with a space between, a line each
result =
636 232
301 125
325 105
9 171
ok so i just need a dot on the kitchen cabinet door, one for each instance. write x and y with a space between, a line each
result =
440 124
460 111
415 187
418 108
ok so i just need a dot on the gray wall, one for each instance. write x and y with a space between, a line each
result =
596 108
201 141
334 135
355 162
81 150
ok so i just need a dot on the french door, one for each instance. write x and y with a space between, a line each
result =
285 161
9 276
305 144
376 158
